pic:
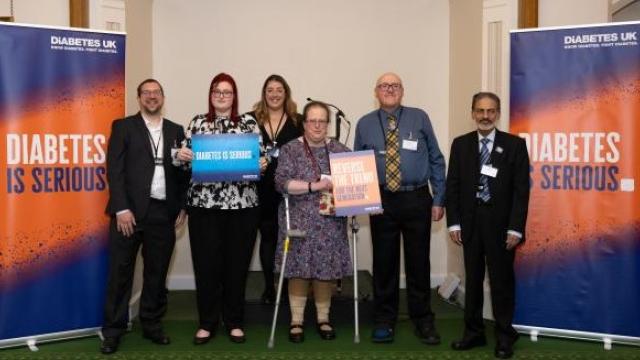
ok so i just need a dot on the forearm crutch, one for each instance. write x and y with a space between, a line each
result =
290 234
354 231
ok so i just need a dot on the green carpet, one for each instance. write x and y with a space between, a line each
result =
180 324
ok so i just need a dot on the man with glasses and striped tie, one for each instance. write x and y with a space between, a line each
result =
408 161
487 202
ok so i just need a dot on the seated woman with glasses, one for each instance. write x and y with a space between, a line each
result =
322 256
223 221
278 118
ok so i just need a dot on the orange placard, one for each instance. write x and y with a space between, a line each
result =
355 183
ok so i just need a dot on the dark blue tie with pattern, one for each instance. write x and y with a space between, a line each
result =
484 193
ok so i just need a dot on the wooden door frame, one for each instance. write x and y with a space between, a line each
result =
79 13
527 14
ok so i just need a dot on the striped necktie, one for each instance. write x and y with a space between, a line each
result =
392 158
484 194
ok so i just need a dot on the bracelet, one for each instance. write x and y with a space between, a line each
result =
309 187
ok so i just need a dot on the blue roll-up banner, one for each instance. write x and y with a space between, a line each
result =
575 99
226 157
60 89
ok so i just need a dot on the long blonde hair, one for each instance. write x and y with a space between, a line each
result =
290 107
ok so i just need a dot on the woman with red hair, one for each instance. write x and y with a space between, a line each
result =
223 221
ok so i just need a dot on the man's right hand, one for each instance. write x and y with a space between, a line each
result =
185 154
456 236
126 223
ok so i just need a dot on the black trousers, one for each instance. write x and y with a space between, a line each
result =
268 242
156 234
407 213
221 248
488 242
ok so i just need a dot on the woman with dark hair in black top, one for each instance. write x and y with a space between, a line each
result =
277 117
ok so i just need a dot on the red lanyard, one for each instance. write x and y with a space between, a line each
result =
313 159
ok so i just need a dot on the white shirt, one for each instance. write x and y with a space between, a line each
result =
158 183
492 139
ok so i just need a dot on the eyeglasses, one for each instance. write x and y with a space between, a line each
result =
317 122
389 87
223 94
156 92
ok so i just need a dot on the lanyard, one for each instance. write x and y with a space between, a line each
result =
384 134
156 146
313 159
274 136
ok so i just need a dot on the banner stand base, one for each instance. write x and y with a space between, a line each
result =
607 339
32 340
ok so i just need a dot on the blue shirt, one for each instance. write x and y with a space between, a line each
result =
417 167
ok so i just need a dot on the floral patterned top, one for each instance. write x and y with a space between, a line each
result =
228 194
323 253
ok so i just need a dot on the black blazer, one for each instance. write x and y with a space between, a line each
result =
130 167
509 189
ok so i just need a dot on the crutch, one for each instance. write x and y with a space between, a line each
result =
285 250
354 231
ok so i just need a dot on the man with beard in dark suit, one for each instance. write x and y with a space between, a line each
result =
146 202
487 201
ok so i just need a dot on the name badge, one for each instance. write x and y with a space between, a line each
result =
410 145
489 171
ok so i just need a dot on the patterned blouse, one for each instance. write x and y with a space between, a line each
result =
228 194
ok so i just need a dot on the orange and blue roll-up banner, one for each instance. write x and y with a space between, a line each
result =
60 89
575 98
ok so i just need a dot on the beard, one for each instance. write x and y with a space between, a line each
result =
486 125
152 109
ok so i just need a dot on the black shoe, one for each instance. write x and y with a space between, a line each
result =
109 345
296 337
268 297
428 334
326 334
503 351
157 337
202 340
469 343
238 339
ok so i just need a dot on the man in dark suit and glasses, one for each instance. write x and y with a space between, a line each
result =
146 202
487 201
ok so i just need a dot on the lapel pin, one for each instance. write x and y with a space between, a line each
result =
499 149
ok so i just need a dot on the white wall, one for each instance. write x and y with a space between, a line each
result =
331 50
572 12
139 65
465 77
39 12
110 14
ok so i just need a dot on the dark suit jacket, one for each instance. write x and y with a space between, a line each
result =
509 189
130 167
